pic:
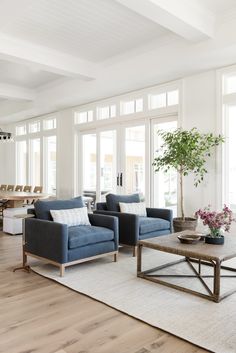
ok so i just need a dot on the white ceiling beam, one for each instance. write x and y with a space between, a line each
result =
46 59
186 18
16 92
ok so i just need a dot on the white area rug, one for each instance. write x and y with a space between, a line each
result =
204 323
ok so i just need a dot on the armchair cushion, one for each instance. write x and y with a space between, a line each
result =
138 208
113 200
72 216
85 235
42 208
149 224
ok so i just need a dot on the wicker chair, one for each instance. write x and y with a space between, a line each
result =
27 188
38 189
10 187
19 188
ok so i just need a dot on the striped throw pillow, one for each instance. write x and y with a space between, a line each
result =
138 208
71 217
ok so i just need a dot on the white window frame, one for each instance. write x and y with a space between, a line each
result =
31 136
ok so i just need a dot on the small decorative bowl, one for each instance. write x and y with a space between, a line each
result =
189 238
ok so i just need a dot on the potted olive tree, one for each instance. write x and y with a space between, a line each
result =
185 151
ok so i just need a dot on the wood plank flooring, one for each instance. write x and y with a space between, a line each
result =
40 316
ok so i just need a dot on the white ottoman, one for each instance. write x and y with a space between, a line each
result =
11 224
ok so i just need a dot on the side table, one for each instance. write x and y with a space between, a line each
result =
24 266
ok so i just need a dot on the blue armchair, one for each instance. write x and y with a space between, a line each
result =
133 227
65 246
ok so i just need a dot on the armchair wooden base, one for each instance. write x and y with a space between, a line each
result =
67 264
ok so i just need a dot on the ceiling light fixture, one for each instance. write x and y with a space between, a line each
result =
5 136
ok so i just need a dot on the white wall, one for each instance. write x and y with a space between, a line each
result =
65 154
198 109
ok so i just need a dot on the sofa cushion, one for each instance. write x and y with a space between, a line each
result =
113 200
42 208
84 235
149 224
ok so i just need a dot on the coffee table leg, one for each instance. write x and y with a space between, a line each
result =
139 259
217 266
199 267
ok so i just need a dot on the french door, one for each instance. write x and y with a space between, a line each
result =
112 160
118 159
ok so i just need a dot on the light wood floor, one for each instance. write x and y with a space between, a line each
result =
38 315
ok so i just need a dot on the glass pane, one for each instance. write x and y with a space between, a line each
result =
231 172
34 127
165 184
21 162
135 159
20 130
35 162
89 163
108 162
113 111
139 105
90 115
50 148
230 84
49 124
81 117
103 112
128 107
173 97
157 101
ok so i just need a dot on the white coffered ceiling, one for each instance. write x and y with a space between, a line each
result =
91 29
58 53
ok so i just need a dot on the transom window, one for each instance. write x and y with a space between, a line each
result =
21 130
132 106
34 127
106 112
49 124
83 117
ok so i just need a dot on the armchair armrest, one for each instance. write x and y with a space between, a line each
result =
107 222
164 213
46 239
128 226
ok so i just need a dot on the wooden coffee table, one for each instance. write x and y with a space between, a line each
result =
200 253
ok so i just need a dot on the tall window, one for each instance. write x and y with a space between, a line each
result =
89 162
35 143
34 162
229 130
164 184
50 164
21 162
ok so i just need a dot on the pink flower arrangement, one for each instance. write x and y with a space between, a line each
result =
216 220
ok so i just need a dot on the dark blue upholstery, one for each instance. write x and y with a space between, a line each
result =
62 244
133 228
91 250
154 234
42 208
149 224
113 200
84 235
